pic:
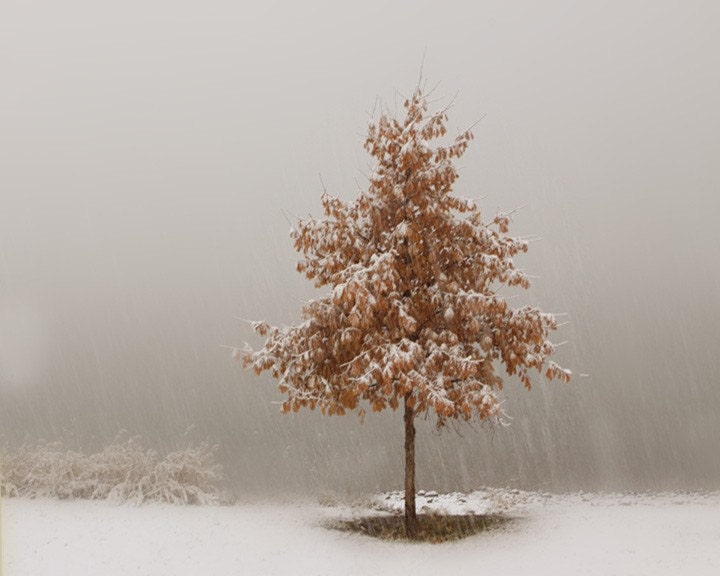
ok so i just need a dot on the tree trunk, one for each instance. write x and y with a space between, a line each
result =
411 521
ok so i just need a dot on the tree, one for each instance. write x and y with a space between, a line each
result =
414 318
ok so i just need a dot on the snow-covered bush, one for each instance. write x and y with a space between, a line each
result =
187 477
123 472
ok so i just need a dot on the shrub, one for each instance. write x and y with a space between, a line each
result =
124 471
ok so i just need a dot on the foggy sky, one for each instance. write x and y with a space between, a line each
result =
150 153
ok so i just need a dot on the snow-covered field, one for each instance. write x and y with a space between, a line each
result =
581 534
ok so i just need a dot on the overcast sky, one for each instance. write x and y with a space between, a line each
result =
149 148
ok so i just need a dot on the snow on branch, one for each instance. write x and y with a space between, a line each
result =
412 314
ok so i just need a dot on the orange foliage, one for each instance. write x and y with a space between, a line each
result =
413 313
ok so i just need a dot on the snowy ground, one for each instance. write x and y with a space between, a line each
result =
577 534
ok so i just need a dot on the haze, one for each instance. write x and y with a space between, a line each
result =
148 151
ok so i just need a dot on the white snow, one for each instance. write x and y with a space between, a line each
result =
585 534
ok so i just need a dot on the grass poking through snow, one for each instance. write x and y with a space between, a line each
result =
434 528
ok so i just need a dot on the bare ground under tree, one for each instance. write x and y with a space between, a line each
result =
434 528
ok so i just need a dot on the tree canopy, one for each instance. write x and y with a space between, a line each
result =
413 314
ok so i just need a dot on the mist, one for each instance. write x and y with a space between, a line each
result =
154 154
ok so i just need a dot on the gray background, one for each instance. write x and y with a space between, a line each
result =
148 148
